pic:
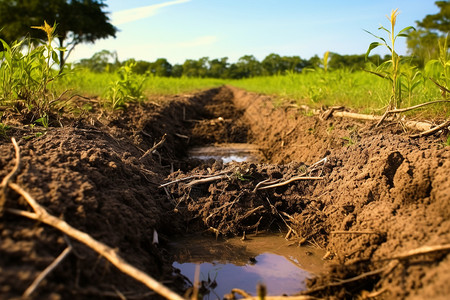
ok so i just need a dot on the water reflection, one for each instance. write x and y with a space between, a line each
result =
233 263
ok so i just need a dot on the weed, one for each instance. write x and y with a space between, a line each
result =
349 140
26 72
391 68
447 142
3 129
129 87
44 120
330 129
439 69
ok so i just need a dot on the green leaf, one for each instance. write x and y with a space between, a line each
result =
373 46
55 57
381 27
403 31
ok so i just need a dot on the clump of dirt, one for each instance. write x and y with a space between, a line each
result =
370 195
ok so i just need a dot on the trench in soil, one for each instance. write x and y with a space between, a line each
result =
227 262
382 194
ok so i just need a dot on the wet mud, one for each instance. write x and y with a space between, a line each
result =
364 195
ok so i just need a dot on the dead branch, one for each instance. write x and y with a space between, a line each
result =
47 271
156 146
421 251
250 212
289 181
266 181
432 130
191 177
206 180
284 221
400 110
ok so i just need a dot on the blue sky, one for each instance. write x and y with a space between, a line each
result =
190 29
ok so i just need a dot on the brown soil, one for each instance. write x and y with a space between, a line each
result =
92 174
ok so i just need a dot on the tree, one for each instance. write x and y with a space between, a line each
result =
196 68
161 67
78 21
218 68
247 66
423 44
439 21
103 61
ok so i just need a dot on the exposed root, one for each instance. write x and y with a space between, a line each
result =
156 146
47 271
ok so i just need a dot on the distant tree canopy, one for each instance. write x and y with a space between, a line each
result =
245 67
78 21
423 44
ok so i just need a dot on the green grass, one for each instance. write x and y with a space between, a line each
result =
360 91
92 84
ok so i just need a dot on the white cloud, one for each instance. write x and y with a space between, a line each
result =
199 41
134 14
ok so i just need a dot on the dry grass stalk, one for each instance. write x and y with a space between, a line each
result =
156 146
47 271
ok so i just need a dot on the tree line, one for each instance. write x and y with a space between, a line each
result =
246 66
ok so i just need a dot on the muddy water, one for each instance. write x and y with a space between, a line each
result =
279 264
227 152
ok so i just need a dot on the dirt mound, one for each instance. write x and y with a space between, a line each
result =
370 195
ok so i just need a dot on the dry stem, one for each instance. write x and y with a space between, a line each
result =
47 270
289 181
400 110
156 146
432 130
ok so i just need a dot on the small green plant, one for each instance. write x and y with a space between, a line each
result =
26 72
349 140
439 69
411 79
447 142
391 68
44 120
3 129
129 87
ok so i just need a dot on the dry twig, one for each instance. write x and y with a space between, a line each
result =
156 146
206 180
295 178
47 271
400 110
432 130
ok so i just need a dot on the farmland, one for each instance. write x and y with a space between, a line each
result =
107 153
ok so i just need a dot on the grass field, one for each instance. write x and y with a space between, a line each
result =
360 91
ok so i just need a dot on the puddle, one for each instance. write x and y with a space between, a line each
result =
226 264
227 152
